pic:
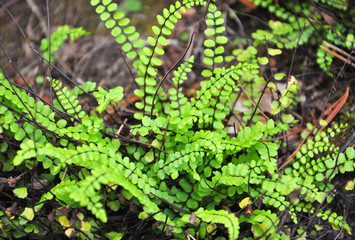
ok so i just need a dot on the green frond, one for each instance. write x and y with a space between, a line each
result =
58 38
264 223
66 101
105 97
214 49
182 164
221 216
126 36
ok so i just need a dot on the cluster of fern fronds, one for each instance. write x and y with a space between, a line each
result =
180 163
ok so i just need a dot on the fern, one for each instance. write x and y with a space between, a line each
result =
214 44
66 101
178 100
223 217
300 25
105 97
178 163
264 224
58 38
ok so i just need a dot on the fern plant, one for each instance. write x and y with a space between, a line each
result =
179 163
58 38
303 22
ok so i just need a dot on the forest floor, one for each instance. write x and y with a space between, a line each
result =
97 58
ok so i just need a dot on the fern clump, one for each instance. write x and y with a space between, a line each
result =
179 163
58 38
309 22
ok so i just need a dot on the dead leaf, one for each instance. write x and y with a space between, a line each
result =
244 202
169 231
63 211
250 5
192 218
70 232
64 221
23 81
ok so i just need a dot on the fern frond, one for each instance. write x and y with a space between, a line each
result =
59 37
148 62
214 44
177 99
221 216
66 101
264 223
105 97
126 36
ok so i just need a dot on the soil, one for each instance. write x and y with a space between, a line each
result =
98 58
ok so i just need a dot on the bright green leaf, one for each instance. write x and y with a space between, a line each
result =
20 192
